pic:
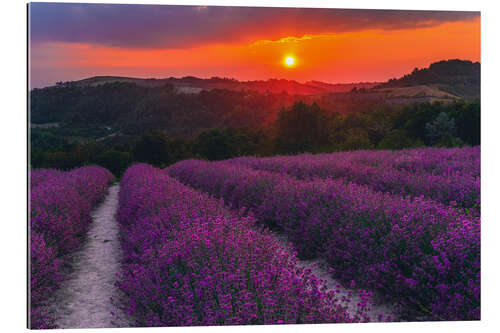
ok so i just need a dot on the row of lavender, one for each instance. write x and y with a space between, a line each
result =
60 205
188 260
450 176
439 161
417 252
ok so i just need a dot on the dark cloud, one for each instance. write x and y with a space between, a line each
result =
162 26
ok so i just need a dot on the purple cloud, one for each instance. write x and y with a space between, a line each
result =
163 26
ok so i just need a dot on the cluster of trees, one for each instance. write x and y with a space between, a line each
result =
78 154
299 128
135 109
307 128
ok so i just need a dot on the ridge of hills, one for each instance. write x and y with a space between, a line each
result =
191 84
443 80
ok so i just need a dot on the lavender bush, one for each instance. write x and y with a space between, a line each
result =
417 252
60 205
451 178
38 176
190 261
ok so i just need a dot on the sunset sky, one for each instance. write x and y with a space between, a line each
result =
75 41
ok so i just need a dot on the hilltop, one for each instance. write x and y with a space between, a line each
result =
443 81
457 77
191 84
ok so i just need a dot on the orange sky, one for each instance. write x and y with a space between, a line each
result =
366 55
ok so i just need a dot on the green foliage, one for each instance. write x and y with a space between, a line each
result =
415 117
61 160
179 149
115 161
361 130
442 131
159 126
153 149
465 116
159 150
356 138
302 128
47 140
135 110
398 139
73 104
219 144
468 121
36 158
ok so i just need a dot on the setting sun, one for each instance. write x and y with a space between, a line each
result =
289 61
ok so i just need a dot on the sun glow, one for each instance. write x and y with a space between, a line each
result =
289 61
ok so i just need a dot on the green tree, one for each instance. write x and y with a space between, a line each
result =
179 149
219 144
414 118
442 131
61 160
152 148
356 138
37 158
468 121
302 128
115 161
398 139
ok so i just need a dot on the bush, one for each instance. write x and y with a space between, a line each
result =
219 144
61 160
115 161
399 139
356 139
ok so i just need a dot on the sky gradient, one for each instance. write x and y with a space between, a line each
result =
75 41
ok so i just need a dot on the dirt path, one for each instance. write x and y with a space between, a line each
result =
84 301
319 268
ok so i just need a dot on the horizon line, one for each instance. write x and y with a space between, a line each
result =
245 81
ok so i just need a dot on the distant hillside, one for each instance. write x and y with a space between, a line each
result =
342 87
187 106
444 81
134 109
191 84
441 81
458 77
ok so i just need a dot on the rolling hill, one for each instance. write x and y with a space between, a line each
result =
191 84
461 78
443 81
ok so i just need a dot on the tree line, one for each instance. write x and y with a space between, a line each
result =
299 128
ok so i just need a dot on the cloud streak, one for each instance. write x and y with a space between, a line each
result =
178 27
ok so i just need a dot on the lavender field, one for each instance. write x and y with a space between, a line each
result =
60 207
393 235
